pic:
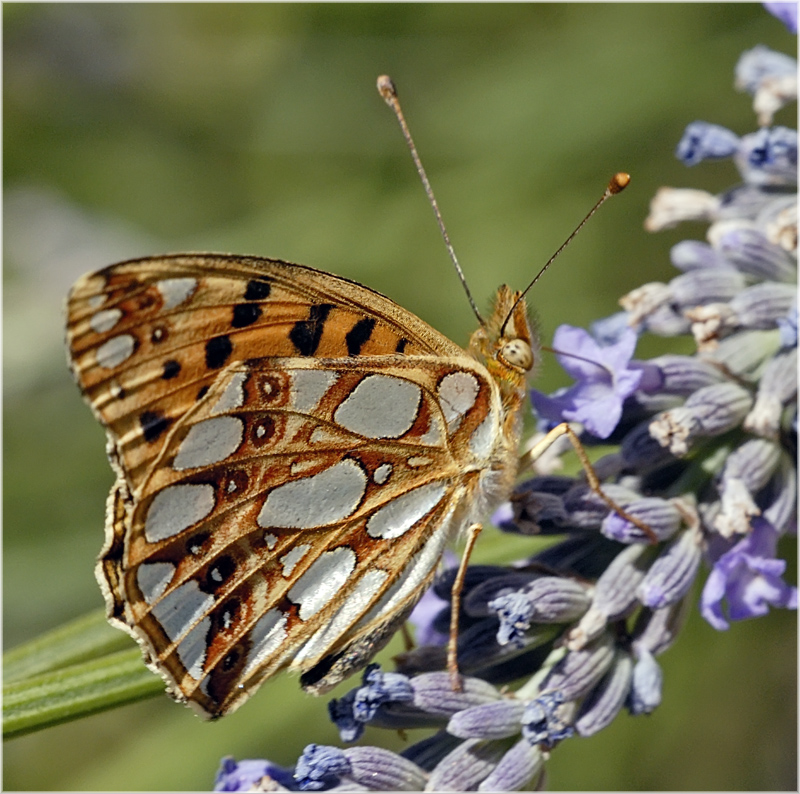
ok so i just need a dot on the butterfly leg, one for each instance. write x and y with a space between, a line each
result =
455 607
594 482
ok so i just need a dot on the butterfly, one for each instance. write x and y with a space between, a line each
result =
293 451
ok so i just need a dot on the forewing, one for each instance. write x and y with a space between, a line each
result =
147 338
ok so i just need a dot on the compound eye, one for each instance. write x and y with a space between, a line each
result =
517 354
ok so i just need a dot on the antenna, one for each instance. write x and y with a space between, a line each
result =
388 91
617 184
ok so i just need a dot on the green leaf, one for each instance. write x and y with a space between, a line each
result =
76 670
88 637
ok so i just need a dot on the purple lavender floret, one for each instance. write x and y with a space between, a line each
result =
248 775
603 381
747 580
786 12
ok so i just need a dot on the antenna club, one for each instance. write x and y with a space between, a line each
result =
386 88
618 182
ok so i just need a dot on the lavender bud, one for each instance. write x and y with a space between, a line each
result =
746 353
704 141
683 374
710 411
709 323
777 387
656 630
467 766
515 611
671 575
608 697
477 603
433 693
645 694
753 463
782 508
380 688
557 600
546 719
743 201
747 470
591 626
689 255
746 247
780 220
252 775
489 721
768 157
644 300
516 769
706 286
640 450
549 599
580 670
774 94
383 770
671 206
761 306
615 590
666 320
736 508
319 766
661 516
586 510
759 64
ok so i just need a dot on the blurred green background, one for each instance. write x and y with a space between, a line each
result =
134 129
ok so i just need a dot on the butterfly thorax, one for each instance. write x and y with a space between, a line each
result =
507 347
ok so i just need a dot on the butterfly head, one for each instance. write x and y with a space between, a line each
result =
506 344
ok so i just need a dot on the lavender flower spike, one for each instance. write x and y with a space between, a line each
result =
701 446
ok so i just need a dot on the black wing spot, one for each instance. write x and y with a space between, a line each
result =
231 660
153 424
159 334
306 334
201 393
218 351
401 345
171 369
257 290
234 482
245 314
196 543
228 614
218 573
359 335
263 431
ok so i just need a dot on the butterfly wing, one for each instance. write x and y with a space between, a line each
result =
148 337
287 502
